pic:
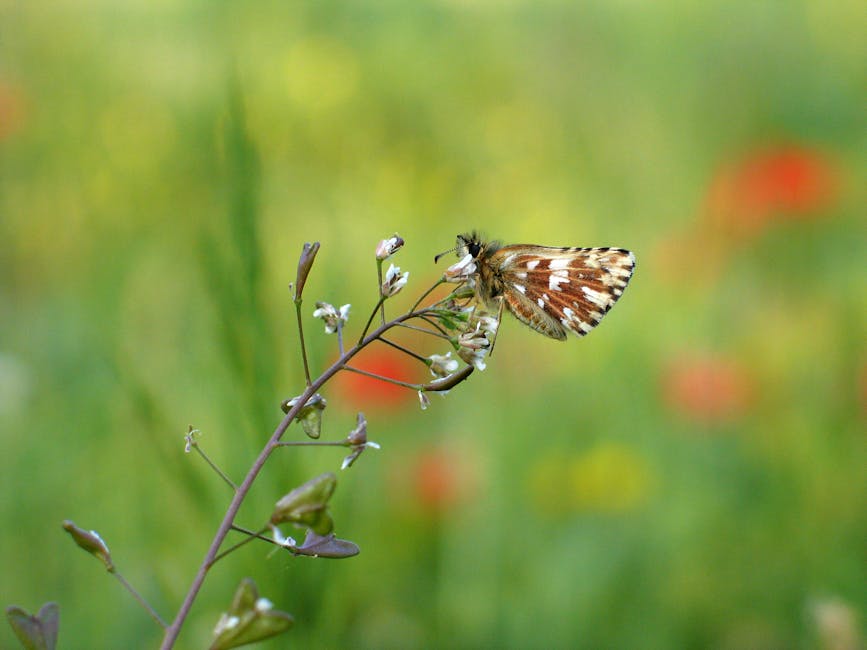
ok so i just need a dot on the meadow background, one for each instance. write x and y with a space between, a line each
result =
690 475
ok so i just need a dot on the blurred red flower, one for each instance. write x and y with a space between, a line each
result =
706 389
361 393
790 181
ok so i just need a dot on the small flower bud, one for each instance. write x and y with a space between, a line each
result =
305 263
442 365
358 436
331 316
394 281
357 439
249 619
310 415
473 357
388 247
473 347
190 438
488 324
423 400
91 542
475 340
307 505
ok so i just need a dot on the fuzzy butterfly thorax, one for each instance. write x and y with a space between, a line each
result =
553 290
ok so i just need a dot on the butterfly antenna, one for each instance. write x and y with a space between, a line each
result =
451 250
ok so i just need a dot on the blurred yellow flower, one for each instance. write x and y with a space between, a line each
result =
609 477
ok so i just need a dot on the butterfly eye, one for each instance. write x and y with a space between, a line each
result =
474 249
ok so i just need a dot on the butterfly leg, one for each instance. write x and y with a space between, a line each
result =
499 320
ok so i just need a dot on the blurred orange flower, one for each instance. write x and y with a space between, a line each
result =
12 109
789 180
438 481
360 393
706 388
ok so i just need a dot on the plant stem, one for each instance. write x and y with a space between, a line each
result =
426 331
370 320
427 293
141 600
404 350
173 630
301 339
313 443
215 468
381 297
250 537
389 380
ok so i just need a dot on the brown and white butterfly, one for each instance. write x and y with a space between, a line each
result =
553 290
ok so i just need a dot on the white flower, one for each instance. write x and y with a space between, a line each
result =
488 324
442 365
475 340
388 247
460 271
474 346
356 452
394 281
474 357
357 439
331 316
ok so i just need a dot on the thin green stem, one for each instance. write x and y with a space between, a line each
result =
427 293
397 382
301 339
312 443
416 328
381 297
370 320
439 327
404 350
150 610
250 537
215 468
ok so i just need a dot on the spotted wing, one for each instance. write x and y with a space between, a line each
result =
555 290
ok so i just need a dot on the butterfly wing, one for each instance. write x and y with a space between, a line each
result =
555 290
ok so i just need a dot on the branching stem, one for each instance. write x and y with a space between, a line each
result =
173 630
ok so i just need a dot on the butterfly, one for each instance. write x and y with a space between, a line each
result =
553 290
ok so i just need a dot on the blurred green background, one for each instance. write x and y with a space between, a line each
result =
690 475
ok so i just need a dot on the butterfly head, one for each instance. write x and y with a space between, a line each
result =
472 244
467 244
